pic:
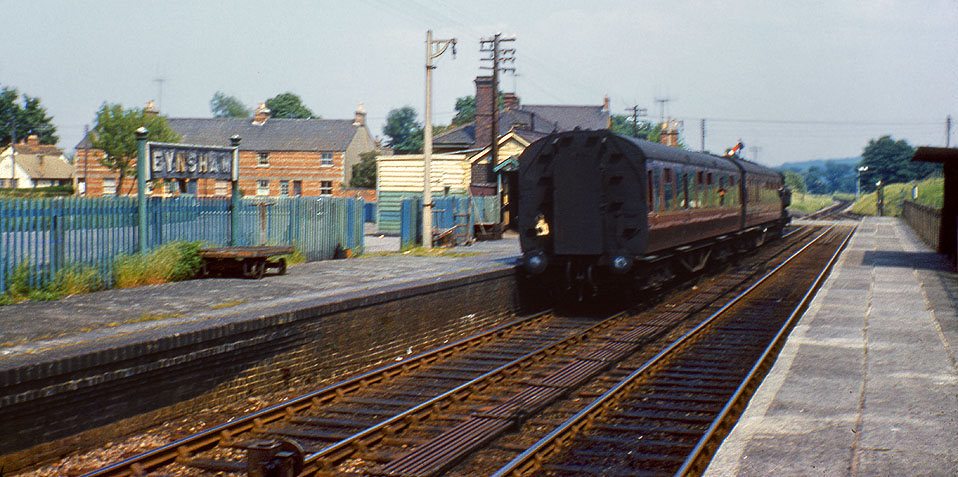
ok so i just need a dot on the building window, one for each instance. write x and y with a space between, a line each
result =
109 186
327 160
222 188
283 187
263 160
262 188
297 188
326 187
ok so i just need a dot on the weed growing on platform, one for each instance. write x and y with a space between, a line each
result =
70 280
169 262
291 258
436 252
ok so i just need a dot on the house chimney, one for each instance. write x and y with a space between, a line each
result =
360 116
605 103
484 95
510 101
33 140
260 115
150 109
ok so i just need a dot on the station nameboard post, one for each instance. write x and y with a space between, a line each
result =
157 160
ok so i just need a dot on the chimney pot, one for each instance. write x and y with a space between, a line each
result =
33 140
360 116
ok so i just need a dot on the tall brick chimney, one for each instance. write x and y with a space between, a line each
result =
484 95
510 101
360 116
260 115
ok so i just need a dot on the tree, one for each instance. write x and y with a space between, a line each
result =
466 109
115 134
288 105
889 161
795 182
364 173
31 118
405 133
224 106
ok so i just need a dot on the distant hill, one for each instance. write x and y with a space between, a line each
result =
820 163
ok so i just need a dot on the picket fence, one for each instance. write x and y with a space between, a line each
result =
448 212
49 234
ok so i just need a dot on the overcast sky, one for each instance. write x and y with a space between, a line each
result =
794 80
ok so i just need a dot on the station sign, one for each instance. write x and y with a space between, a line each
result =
187 161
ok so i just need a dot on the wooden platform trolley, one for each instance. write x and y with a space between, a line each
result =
250 262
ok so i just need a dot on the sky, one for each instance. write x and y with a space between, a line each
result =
794 81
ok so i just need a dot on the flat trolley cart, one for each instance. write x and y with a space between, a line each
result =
251 262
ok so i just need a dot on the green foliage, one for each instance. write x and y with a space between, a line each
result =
69 280
288 106
466 109
889 161
364 173
643 130
808 203
115 134
795 182
31 118
405 133
169 262
53 191
224 106
930 193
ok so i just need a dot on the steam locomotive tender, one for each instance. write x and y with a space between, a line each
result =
597 210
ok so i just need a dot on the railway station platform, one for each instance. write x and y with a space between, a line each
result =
867 382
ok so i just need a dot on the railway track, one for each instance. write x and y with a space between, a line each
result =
427 413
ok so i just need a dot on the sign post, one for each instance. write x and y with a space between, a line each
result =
157 160
141 178
235 203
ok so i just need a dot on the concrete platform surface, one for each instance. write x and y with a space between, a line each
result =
867 383
38 326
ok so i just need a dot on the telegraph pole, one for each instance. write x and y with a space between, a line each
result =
434 49
948 131
499 56
703 134
636 113
662 102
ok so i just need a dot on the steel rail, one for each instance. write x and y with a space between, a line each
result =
139 465
532 457
325 458
695 458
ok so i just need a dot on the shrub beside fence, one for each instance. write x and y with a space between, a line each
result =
924 220
46 235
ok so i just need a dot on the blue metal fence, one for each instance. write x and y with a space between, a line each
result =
447 213
46 235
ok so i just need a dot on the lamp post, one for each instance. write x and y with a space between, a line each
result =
858 183
434 49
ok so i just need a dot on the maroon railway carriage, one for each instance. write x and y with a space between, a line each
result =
597 206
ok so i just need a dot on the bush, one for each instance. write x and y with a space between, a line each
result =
173 261
70 280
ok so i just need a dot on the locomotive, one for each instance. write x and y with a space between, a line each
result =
599 211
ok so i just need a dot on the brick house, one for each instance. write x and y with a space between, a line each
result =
37 165
278 157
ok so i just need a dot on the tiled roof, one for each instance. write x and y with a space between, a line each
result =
534 121
39 166
45 149
330 135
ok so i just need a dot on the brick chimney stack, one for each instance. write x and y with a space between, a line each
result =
260 115
33 140
484 95
360 116
150 109
510 101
